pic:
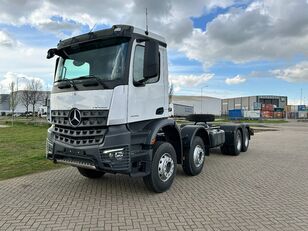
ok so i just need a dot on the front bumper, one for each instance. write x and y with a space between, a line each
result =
115 154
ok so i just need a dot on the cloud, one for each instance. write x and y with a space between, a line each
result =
189 80
18 78
177 89
235 80
6 40
265 30
296 73
21 60
170 18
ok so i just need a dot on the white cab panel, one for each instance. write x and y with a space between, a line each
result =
143 101
118 106
83 100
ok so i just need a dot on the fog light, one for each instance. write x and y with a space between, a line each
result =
115 153
119 155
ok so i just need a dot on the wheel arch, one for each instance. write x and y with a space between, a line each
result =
230 131
172 134
189 132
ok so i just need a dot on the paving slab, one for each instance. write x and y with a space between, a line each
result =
265 188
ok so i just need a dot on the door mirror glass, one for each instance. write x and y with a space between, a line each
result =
151 59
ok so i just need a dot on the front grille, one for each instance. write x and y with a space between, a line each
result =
90 131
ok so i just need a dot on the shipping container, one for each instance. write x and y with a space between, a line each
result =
235 114
180 110
267 114
301 107
293 115
252 114
302 115
278 109
267 107
287 108
278 115
294 108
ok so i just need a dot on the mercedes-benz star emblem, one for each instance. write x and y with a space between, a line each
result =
74 117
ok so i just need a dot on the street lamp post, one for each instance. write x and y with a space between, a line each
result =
201 96
17 81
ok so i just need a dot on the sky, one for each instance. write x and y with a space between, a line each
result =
222 48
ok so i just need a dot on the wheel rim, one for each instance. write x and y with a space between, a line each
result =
198 156
239 141
165 167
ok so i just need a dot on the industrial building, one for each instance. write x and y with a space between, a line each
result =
4 104
204 104
20 108
251 103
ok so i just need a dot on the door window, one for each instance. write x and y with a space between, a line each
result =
138 66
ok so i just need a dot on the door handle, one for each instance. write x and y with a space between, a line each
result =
159 111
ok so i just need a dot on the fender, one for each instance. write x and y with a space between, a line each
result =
230 132
189 132
172 134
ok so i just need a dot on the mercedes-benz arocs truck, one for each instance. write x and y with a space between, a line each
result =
109 111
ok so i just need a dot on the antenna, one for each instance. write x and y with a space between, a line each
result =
146 22
92 28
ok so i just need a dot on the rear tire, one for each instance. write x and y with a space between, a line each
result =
163 168
89 173
194 158
245 143
236 147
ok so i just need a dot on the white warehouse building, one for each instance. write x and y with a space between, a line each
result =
204 105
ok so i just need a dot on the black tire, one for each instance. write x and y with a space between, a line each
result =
201 117
89 173
225 149
235 148
156 181
245 142
190 166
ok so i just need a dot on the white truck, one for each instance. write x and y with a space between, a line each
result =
109 111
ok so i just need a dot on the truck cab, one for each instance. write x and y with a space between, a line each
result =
109 110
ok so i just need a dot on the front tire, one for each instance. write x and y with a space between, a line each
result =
163 168
89 173
194 158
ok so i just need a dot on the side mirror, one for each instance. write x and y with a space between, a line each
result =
51 53
151 59
56 68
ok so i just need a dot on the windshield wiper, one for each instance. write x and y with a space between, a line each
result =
70 81
96 78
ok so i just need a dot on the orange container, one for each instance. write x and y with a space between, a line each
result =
267 107
267 114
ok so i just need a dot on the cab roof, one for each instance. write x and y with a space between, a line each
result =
114 31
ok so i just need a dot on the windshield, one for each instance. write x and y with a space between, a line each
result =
102 59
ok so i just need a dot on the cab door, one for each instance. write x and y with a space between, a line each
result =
147 100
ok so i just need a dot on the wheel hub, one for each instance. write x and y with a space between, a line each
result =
165 167
198 156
